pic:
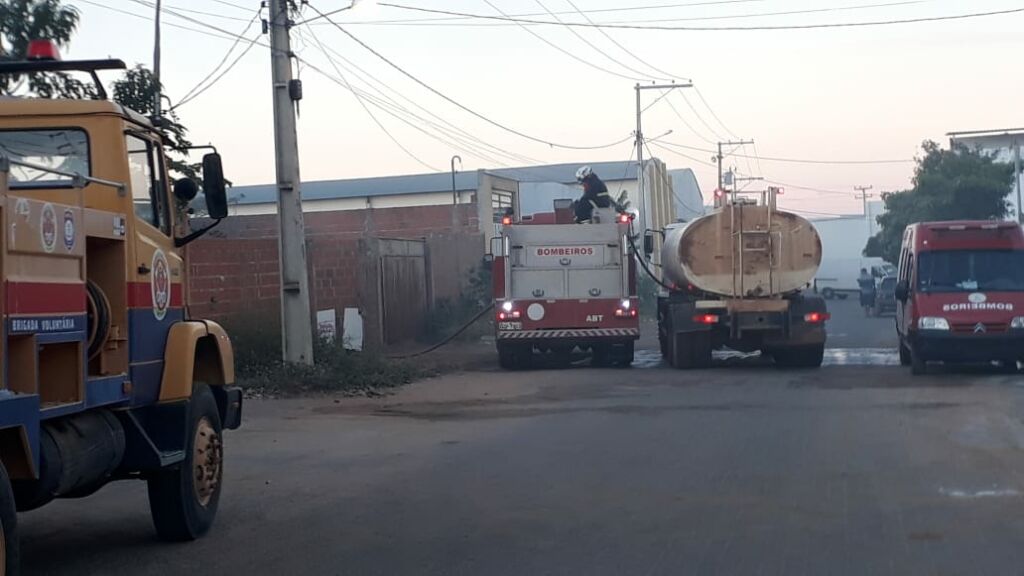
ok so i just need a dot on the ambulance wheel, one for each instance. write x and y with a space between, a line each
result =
183 500
918 366
10 557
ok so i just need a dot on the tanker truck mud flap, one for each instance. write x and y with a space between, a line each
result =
803 345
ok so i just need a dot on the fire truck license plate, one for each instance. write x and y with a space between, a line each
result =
510 325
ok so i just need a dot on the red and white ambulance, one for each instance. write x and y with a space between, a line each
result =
960 293
560 287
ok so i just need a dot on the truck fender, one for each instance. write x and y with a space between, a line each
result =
196 351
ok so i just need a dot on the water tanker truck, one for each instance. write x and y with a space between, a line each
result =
738 278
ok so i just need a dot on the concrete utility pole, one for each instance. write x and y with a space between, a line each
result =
156 61
720 156
642 197
455 194
1017 175
296 323
864 196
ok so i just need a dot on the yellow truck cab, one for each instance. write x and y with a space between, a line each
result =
105 375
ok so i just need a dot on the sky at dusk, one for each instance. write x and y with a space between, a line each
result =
858 93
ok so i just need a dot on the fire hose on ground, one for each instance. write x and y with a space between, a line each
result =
448 339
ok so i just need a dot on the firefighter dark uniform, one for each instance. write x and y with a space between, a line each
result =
595 195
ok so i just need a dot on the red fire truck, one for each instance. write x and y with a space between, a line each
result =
561 287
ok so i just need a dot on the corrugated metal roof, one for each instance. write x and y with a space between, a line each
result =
427 183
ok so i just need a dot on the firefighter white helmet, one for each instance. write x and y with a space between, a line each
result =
582 173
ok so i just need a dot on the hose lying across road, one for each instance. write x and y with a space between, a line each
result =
448 339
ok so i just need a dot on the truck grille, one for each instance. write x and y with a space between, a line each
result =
972 327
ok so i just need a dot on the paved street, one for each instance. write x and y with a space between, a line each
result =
855 468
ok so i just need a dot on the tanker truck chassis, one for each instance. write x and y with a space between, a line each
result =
791 330
738 278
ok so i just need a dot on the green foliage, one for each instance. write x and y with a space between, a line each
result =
22 21
959 184
137 90
260 370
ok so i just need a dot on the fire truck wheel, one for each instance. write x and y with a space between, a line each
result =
9 553
183 500
514 357
622 354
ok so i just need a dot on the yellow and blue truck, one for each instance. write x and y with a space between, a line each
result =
105 376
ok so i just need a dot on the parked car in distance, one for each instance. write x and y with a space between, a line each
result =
885 296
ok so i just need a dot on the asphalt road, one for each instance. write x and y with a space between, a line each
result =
855 468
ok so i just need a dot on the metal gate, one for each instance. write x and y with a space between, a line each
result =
403 287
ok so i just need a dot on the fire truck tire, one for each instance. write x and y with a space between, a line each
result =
183 500
623 354
10 557
514 357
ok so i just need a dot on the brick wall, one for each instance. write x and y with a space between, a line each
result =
233 270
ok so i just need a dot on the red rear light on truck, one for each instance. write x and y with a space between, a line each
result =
513 315
706 318
506 221
817 317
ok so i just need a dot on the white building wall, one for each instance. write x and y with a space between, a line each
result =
360 203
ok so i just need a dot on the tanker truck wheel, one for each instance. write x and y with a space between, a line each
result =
183 500
690 350
802 357
9 553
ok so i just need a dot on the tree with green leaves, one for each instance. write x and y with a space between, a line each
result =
957 184
22 21
137 90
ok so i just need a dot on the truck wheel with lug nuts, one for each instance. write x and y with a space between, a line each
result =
183 500
9 554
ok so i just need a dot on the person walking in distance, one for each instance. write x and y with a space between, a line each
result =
866 283
595 195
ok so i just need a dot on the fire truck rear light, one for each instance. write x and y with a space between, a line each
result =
625 304
42 50
506 306
816 317
513 315
706 319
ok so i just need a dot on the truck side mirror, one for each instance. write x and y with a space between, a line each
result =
902 290
648 243
214 186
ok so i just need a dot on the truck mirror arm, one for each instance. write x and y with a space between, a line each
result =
179 242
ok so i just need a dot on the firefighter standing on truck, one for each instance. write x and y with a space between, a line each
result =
595 195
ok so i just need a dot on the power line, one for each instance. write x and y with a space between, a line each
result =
712 28
796 160
701 118
583 61
462 106
616 42
713 115
233 5
413 102
150 18
367 108
687 124
674 194
594 46
204 13
196 91
778 13
591 11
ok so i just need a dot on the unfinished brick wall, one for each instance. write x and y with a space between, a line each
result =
233 270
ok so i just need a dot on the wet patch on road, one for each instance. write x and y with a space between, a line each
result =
833 357
993 492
